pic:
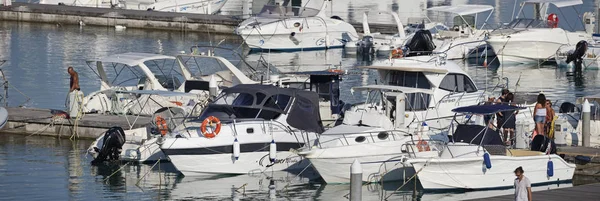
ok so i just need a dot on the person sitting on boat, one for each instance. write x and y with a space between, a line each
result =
539 114
522 186
499 116
550 115
509 120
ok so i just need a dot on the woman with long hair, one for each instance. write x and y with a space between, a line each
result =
539 114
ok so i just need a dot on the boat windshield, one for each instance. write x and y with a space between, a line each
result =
413 101
240 106
524 23
280 11
166 71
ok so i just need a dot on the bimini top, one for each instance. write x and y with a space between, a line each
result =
303 114
557 3
486 109
463 9
132 58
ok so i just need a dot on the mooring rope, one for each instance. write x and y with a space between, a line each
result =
53 120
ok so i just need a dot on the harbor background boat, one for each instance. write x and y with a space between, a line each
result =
38 56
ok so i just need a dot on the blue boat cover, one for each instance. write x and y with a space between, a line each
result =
486 109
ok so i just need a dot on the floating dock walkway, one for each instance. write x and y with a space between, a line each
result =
579 193
139 19
30 121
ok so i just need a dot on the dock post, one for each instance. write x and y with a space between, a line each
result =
355 181
585 129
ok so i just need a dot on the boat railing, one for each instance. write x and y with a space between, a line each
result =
413 146
346 139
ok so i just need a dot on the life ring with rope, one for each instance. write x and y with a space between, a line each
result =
422 145
209 121
161 124
397 53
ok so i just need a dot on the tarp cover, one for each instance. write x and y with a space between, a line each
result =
474 134
421 43
304 113
486 109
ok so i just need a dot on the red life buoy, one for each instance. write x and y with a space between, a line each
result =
423 146
397 53
161 124
210 121
552 20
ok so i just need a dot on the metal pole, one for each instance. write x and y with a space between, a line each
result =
355 181
585 130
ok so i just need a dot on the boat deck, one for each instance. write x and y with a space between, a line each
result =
31 121
583 192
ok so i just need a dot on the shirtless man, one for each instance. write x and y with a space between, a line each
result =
74 79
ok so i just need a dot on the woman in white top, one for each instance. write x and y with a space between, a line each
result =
539 114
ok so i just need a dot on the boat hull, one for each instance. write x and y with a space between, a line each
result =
471 172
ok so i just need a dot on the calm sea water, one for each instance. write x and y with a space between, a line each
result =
40 168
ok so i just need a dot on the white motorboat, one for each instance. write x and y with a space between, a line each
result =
140 144
573 137
182 6
478 159
249 128
288 28
418 89
463 39
535 40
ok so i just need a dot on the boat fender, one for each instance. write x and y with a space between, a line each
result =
487 160
161 124
272 151
236 149
550 168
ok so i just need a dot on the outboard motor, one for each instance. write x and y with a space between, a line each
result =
578 54
541 142
112 144
365 46
567 107
421 44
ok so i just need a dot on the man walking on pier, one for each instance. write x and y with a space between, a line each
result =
75 98
522 186
74 79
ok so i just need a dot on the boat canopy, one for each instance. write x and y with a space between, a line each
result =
267 102
132 58
557 3
463 9
486 109
156 92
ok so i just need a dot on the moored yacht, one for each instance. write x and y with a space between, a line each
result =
289 28
248 128
535 40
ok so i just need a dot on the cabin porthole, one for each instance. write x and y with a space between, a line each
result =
383 135
360 139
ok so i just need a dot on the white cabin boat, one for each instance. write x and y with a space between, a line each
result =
534 40
289 28
249 128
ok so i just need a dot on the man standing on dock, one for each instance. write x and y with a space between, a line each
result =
74 79
522 186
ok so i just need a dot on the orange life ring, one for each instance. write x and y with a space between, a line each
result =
397 53
161 124
423 146
211 120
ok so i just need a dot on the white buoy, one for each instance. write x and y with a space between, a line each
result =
425 128
585 129
355 181
272 151
236 149
120 27
81 23
384 50
213 88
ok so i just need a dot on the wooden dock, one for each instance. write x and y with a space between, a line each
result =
31 121
139 19
580 193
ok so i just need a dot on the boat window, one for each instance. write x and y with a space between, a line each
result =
382 135
417 101
374 98
360 139
279 101
283 11
260 97
408 79
457 83
243 99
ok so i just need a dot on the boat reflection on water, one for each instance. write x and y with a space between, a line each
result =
300 60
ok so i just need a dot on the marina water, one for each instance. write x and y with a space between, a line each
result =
43 168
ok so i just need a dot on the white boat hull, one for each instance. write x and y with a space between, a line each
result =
302 41
532 45
471 173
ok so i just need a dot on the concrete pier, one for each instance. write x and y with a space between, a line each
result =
41 122
583 192
139 19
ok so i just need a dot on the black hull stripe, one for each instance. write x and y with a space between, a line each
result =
244 148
